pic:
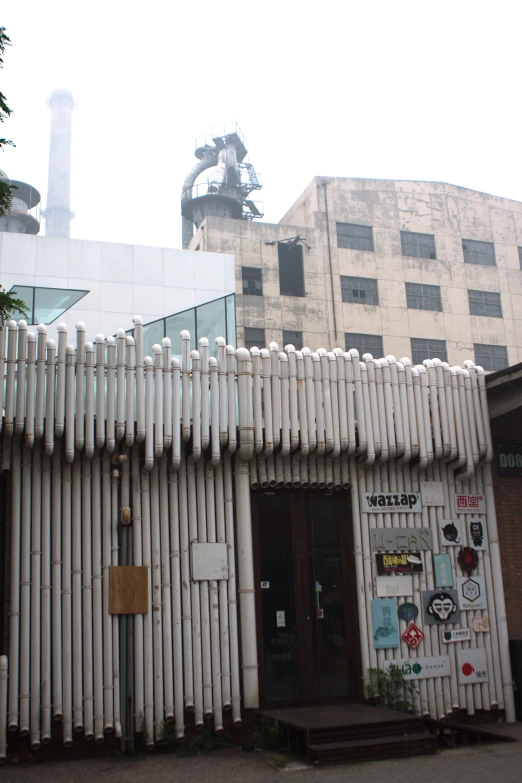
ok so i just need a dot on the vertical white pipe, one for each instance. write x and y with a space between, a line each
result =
139 698
206 654
3 706
334 401
69 404
148 665
167 393
276 410
285 405
89 400
366 415
77 660
166 588
156 601
129 393
140 379
120 378
195 597
231 396
176 411
100 391
184 539
319 410
108 684
31 390
40 381
87 578
158 401
97 598
302 405
56 593
60 380
3 356
10 378
327 400
205 430
25 596
185 384
67 722
217 696
149 413
267 402
310 398
223 592
196 405
36 594
111 394
176 590
214 406
232 589
115 618
50 398
292 380
341 394
223 405
80 384
21 364
45 710
257 394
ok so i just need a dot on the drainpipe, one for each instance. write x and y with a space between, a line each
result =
330 258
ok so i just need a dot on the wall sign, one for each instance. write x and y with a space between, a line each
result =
470 504
401 563
450 532
265 585
472 665
467 560
458 635
471 592
385 624
509 460
432 493
389 586
407 612
443 571
480 624
477 533
388 502
390 539
440 606
413 636
281 619
421 668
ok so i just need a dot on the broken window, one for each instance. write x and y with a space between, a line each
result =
359 290
252 280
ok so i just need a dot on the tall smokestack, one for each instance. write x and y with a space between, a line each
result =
58 208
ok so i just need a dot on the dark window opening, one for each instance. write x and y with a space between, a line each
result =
293 338
254 337
418 245
354 237
252 280
520 256
364 343
427 349
485 303
491 357
476 252
359 290
420 296
291 271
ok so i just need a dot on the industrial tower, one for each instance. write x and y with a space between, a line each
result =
226 191
58 213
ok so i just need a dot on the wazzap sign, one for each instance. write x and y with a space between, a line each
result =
386 502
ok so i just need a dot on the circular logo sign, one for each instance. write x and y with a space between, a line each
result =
407 612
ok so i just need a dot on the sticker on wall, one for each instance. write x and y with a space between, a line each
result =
385 624
388 502
472 665
389 586
319 614
457 635
265 585
432 493
413 636
440 606
421 668
407 612
467 560
477 533
443 571
399 563
390 539
471 592
450 532
281 619
470 504
480 624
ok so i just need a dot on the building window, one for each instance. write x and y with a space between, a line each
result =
520 256
427 349
365 343
359 290
354 237
252 281
45 305
293 338
254 337
291 272
491 357
485 303
475 252
420 296
418 245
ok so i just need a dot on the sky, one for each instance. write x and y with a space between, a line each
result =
388 90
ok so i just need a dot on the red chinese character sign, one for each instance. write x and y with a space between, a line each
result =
413 636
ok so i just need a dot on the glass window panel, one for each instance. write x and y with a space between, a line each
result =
254 337
420 296
520 256
211 323
422 348
359 290
485 303
354 237
25 293
418 245
231 320
252 281
364 343
476 252
153 334
293 338
50 303
491 357
174 324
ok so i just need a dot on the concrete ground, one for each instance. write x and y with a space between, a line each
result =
477 764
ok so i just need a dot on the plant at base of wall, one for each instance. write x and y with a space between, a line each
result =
268 734
390 689
206 741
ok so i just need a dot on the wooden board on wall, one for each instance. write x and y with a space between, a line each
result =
128 590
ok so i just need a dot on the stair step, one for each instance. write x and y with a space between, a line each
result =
392 746
365 731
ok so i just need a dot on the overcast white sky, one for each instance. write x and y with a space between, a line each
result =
397 89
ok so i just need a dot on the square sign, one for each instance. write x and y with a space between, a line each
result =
472 665
432 493
471 592
477 533
450 532
443 572
470 504
440 606
385 623
413 636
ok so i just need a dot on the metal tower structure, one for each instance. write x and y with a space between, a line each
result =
58 213
24 215
226 192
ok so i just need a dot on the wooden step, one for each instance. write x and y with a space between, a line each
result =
393 746
364 731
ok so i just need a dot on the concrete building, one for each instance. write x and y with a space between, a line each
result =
417 269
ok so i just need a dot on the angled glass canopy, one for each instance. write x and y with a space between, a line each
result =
45 305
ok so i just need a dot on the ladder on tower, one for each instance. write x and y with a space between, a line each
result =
252 176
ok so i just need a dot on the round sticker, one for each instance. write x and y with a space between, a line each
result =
407 612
